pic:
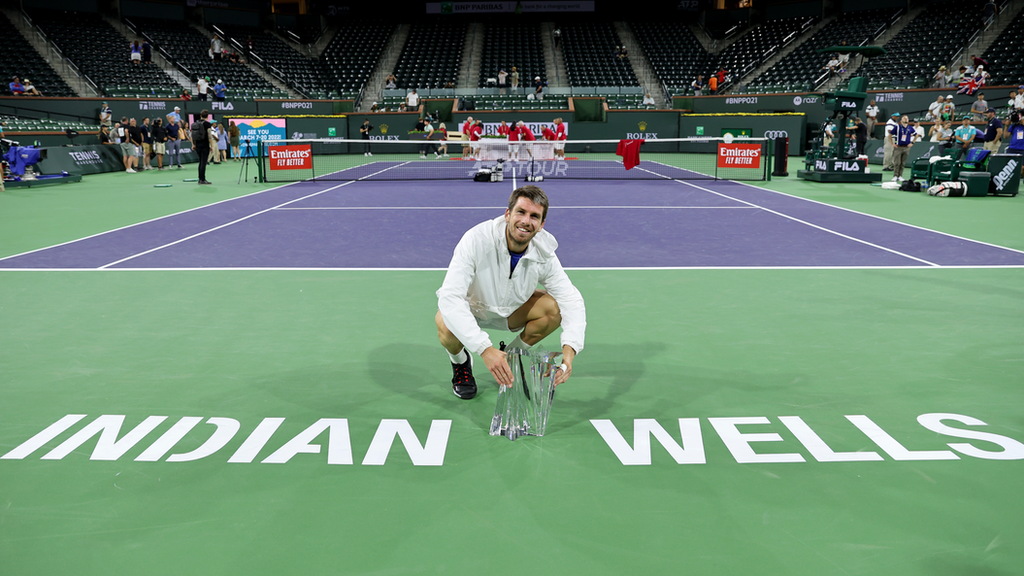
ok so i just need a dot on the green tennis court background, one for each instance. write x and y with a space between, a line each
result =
890 344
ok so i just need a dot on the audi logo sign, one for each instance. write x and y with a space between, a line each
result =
776 134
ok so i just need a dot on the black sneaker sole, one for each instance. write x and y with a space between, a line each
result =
465 395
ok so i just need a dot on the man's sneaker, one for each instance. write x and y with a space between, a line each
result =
895 179
463 383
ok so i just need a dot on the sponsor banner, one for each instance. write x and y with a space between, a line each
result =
739 155
832 165
741 100
518 7
257 129
886 97
292 157
491 128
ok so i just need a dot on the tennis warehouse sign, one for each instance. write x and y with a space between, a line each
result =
748 440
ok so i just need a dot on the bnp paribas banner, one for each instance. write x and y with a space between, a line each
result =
254 130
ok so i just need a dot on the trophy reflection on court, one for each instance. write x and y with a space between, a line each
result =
522 409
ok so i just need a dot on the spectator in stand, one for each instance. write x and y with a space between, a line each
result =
202 85
1019 102
391 82
649 100
235 58
941 79
514 78
902 141
216 48
989 10
832 66
697 85
136 52
147 144
978 62
993 132
979 107
30 90
502 81
106 115
402 108
872 114
249 45
185 95
935 109
618 52
17 88
159 137
713 85
955 77
147 52
722 75
235 140
965 134
843 57
412 100
557 35
448 85
220 91
918 132
104 135
1011 102
538 89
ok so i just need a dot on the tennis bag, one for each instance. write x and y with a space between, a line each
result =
910 186
949 189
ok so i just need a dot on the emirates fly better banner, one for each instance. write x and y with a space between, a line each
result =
295 157
739 155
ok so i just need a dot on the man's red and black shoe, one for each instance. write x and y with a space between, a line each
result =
463 383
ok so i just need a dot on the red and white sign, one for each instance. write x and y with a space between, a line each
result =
294 157
739 155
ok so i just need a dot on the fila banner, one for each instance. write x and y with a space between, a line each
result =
294 157
739 155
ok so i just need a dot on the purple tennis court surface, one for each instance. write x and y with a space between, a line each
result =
648 224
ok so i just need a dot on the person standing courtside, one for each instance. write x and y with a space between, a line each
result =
200 131
871 112
890 126
902 140
364 133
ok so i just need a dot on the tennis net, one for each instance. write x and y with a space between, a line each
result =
667 159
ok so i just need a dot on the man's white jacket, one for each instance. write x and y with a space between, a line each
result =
478 285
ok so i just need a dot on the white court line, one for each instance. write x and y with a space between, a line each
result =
501 207
569 268
806 223
148 221
882 218
179 241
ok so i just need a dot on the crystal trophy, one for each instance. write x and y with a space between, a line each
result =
522 409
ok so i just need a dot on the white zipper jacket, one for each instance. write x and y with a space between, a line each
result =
478 285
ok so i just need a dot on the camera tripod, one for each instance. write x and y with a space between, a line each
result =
247 154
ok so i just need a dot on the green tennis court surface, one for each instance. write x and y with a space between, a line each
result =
858 356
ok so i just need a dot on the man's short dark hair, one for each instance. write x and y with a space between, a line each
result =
531 193
204 114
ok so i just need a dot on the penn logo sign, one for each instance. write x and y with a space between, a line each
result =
743 437
295 157
739 155
1005 175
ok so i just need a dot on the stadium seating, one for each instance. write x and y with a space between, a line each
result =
100 52
508 45
431 56
301 73
590 58
23 124
798 70
22 60
757 45
930 40
189 48
674 52
349 59
1005 56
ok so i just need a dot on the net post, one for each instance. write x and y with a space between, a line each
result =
768 165
260 168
